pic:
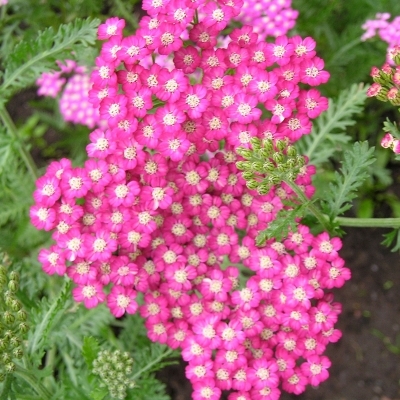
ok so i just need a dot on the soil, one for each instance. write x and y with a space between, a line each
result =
362 368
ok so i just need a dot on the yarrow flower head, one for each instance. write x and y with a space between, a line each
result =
388 31
269 18
74 101
160 203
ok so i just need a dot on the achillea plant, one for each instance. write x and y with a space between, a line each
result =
160 207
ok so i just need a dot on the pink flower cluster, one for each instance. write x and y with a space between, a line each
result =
269 17
75 105
161 209
386 30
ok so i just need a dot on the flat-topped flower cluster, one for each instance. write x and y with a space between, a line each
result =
161 208
72 83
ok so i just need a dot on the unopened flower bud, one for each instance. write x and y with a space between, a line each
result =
268 144
278 158
23 327
13 286
2 377
10 367
269 166
8 318
281 144
247 175
245 153
6 358
18 353
255 143
252 184
264 153
16 305
291 151
22 315
263 189
242 165
14 275
15 341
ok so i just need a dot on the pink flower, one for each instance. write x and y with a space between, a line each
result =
91 294
52 260
112 27
121 300
315 368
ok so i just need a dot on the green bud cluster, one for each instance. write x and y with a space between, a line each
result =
13 326
114 368
268 163
387 80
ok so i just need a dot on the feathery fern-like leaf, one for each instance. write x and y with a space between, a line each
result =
337 199
328 133
32 57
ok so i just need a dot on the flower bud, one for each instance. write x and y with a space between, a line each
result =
245 153
278 158
255 143
247 175
10 367
291 151
269 166
22 315
252 184
2 377
13 286
263 189
23 327
16 305
6 358
14 276
15 341
8 318
281 144
268 145
18 353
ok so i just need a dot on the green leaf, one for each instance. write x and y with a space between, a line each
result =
328 134
355 169
32 57
49 314
90 349
98 393
393 236
285 222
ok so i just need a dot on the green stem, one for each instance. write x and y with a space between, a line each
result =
150 364
369 222
6 387
303 198
23 152
32 381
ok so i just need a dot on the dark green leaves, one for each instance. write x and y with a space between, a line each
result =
355 169
31 57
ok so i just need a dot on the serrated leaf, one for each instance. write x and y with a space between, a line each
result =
337 199
390 237
32 57
90 349
48 316
285 222
328 133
